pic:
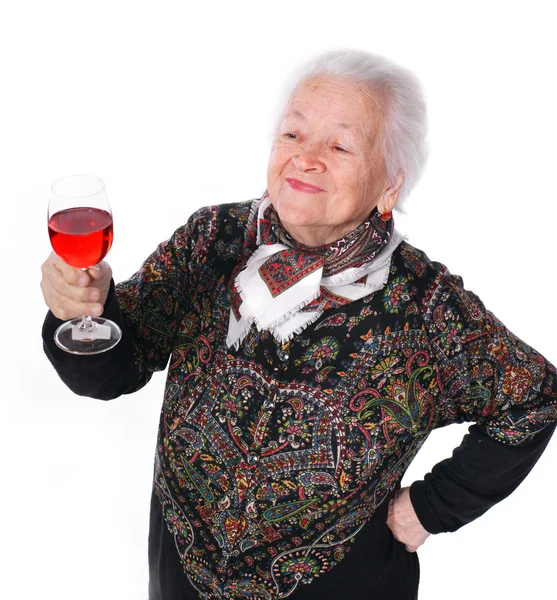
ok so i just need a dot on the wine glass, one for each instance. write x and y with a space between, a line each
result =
80 230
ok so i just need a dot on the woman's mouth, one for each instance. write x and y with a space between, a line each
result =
296 184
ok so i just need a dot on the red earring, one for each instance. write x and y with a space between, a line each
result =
386 216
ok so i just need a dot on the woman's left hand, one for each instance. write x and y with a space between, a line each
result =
404 523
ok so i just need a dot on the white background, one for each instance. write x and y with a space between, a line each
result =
171 104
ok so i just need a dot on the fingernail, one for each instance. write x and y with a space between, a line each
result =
96 311
82 281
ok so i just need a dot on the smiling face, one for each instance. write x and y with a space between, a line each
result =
326 171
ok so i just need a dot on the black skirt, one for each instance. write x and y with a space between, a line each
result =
376 568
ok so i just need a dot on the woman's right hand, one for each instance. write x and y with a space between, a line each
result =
70 292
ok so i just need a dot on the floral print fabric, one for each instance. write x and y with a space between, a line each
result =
272 457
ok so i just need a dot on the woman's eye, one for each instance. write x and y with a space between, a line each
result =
339 149
290 135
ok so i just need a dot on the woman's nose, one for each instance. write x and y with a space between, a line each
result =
309 159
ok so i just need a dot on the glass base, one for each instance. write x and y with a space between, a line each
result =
103 336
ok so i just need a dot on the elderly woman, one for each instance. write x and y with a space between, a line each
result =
311 352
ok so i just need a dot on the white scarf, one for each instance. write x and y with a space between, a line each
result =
282 314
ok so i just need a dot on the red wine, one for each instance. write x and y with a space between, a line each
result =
81 236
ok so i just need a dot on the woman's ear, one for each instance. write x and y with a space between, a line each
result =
389 197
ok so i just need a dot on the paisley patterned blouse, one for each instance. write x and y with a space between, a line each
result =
272 458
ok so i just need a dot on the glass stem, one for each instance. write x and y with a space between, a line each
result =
87 324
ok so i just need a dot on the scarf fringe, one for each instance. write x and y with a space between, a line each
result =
386 274
240 339
347 277
253 209
283 339
281 318
261 208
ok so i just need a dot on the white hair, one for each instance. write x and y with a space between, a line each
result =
401 97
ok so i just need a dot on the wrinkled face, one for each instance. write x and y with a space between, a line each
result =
326 170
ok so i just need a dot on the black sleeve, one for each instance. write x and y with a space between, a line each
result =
103 376
489 376
480 473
